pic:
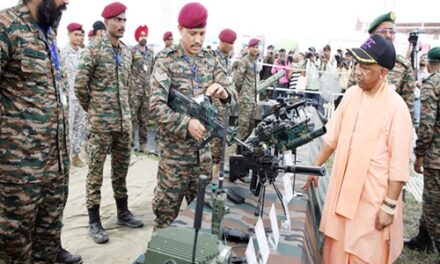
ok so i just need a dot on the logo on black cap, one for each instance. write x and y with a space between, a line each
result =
376 50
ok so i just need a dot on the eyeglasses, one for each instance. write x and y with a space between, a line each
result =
386 30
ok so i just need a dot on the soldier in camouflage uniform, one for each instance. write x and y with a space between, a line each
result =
402 75
77 117
34 160
246 79
427 152
101 86
193 71
142 65
223 54
99 31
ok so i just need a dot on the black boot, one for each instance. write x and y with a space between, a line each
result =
125 217
421 242
96 231
65 257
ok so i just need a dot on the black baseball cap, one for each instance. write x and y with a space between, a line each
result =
375 50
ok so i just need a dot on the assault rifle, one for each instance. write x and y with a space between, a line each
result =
201 109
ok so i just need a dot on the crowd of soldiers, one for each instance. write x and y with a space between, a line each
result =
52 101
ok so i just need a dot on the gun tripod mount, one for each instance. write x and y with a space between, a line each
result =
268 176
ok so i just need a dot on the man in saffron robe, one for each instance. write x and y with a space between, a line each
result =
370 133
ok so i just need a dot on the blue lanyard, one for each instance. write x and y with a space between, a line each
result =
254 67
223 57
144 54
117 58
52 50
194 70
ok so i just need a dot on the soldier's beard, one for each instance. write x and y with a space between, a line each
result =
143 42
49 15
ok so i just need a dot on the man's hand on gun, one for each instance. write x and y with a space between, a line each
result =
217 91
196 129
310 180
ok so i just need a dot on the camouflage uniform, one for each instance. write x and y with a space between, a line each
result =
246 79
77 117
181 161
428 146
402 77
140 90
226 65
101 87
34 161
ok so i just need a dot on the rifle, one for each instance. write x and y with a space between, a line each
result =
201 109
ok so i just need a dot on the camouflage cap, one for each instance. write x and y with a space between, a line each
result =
382 18
434 54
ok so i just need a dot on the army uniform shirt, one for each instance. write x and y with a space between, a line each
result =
246 79
226 65
69 63
77 117
33 102
192 76
428 142
104 97
142 66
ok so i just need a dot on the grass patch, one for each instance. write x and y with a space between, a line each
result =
411 214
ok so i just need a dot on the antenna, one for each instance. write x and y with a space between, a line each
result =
199 212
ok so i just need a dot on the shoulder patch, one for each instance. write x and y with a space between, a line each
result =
8 17
167 52
160 77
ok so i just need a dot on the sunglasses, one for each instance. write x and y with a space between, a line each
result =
386 30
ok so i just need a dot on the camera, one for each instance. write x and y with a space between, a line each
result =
414 37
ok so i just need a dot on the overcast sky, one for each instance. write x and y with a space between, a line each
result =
305 22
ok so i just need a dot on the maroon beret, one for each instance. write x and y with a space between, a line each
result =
113 10
139 30
228 36
91 33
253 42
74 26
167 35
193 15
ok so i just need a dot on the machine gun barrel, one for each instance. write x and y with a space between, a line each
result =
285 108
308 170
262 86
302 140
